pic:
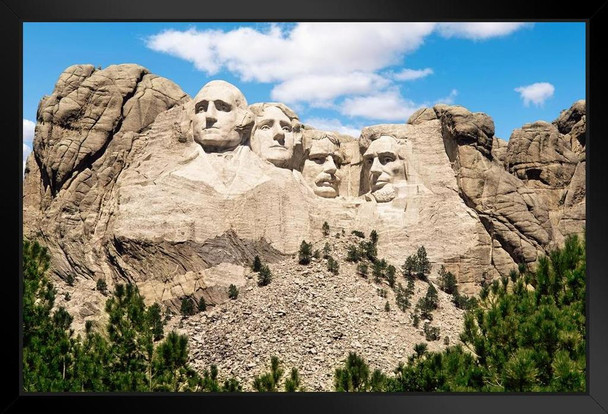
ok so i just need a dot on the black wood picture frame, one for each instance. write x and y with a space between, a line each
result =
13 13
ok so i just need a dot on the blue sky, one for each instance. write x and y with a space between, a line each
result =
336 76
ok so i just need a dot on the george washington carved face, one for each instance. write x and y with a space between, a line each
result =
221 119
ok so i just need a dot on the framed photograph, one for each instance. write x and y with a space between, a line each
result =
306 207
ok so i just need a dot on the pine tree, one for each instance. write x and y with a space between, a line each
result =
333 266
187 307
265 276
447 282
202 305
304 253
269 382
354 376
373 236
325 229
102 286
257 264
429 303
358 233
292 384
390 275
326 251
353 255
233 292
171 366
423 264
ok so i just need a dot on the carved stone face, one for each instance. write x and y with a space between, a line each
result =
385 167
273 138
320 168
215 116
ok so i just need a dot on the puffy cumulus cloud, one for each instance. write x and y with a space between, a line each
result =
479 30
295 54
318 63
28 138
537 93
448 100
28 131
26 152
412 74
319 90
385 106
334 125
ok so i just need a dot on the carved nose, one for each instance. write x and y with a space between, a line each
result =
329 166
376 167
279 135
211 110
210 121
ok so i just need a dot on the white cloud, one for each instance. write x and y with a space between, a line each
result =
28 138
334 125
478 30
537 93
321 89
385 106
26 152
317 63
448 100
412 74
28 131
307 51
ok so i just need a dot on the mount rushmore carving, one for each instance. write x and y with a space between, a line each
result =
132 180
222 123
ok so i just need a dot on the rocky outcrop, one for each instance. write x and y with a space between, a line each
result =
573 124
85 137
119 189
513 216
529 193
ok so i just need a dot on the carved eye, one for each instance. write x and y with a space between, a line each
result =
286 128
369 161
385 159
201 107
222 106
318 160
265 127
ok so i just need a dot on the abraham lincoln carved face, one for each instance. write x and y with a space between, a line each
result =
386 167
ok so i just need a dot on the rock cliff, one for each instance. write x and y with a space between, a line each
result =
120 188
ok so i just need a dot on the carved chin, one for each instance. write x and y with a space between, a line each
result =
326 191
212 139
385 194
279 159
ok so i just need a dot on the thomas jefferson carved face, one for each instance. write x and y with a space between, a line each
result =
274 136
386 167
220 114
320 167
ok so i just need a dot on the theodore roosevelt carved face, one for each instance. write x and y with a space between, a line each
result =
275 133
386 167
322 162
221 119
